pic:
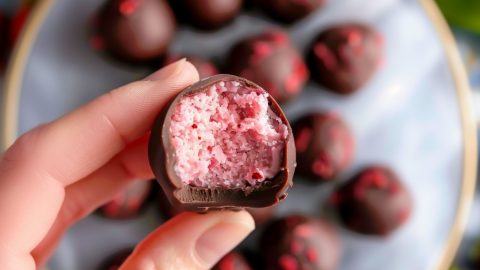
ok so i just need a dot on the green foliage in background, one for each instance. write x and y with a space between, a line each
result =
462 13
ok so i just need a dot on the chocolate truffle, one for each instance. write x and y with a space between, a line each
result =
299 242
223 143
344 57
232 261
204 67
270 60
207 14
290 10
116 260
324 144
374 202
136 31
129 203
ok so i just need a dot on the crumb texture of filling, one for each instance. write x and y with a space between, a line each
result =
226 136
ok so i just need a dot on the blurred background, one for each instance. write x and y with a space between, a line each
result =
463 17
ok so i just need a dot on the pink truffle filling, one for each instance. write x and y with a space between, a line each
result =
226 137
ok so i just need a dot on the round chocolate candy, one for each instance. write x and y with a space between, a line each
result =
270 60
374 202
344 57
223 142
207 14
129 203
299 242
232 261
135 31
204 67
324 144
290 10
116 260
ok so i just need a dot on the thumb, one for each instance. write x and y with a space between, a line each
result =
191 241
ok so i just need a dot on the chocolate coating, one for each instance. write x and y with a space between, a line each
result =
260 215
267 193
116 260
270 60
299 242
135 31
204 67
324 144
207 14
374 202
232 261
290 10
129 203
344 57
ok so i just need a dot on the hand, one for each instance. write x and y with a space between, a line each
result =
60 172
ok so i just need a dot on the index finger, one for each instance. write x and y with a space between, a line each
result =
35 170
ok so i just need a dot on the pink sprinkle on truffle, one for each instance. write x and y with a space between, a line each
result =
235 140
303 139
278 37
128 7
324 53
322 167
312 255
304 231
288 262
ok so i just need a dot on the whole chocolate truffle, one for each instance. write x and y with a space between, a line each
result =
135 30
223 143
207 14
129 203
299 242
270 60
374 202
324 144
232 261
344 57
116 260
290 10
204 67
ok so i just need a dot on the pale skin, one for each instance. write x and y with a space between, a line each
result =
59 172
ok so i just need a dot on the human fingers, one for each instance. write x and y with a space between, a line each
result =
191 241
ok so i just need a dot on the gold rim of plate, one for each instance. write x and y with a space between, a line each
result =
13 83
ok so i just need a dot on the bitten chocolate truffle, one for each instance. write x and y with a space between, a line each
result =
135 31
116 260
223 142
325 146
207 14
299 242
374 202
270 60
232 261
129 203
290 10
344 57
204 67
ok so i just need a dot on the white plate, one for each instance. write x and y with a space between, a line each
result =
414 116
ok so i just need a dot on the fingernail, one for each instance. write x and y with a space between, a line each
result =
167 72
222 237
